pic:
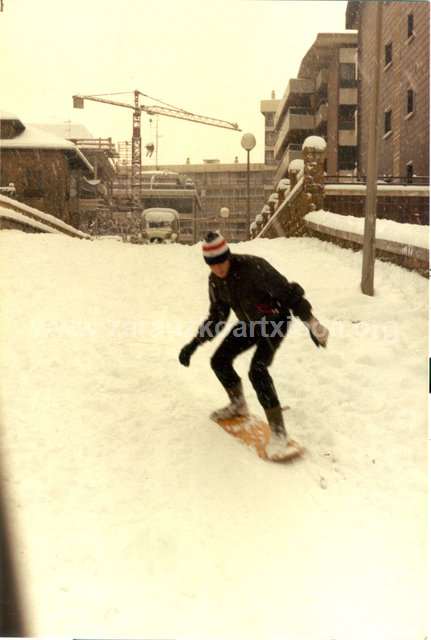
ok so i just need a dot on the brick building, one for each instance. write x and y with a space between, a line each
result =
404 95
322 101
45 169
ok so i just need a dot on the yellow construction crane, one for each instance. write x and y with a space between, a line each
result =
164 110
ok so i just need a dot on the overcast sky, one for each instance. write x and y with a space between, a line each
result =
216 58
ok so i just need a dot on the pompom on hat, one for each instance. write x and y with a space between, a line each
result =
215 249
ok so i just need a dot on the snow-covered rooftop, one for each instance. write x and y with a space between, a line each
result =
34 138
6 115
67 130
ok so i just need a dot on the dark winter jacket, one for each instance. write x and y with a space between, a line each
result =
254 290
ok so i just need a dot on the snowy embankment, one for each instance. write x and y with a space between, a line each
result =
414 235
137 517
12 209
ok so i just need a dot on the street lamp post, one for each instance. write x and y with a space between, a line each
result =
224 214
248 142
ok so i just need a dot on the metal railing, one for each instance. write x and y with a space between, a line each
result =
405 181
294 147
98 144
300 111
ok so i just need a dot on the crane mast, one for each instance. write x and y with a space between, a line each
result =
138 108
136 151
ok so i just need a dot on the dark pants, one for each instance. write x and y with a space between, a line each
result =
236 343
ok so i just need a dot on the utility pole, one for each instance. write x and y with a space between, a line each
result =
369 249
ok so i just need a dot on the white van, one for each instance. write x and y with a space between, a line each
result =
160 224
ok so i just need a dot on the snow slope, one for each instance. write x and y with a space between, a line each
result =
137 517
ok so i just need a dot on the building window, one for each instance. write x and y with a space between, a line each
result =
346 117
410 101
388 121
388 54
269 157
346 158
347 74
269 138
410 25
409 172
269 119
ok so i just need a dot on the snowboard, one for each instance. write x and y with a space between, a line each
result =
255 432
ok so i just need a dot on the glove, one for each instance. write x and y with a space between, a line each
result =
187 352
318 333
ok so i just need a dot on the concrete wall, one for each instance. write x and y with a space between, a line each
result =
412 258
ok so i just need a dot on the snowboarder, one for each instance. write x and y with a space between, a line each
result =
263 301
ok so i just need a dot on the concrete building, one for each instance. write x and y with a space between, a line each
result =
268 109
222 185
404 94
322 101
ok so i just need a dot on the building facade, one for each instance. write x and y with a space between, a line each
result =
224 186
95 194
404 87
268 109
321 101
44 169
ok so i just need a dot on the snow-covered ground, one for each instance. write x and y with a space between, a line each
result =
137 517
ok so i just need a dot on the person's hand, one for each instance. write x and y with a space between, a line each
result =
318 333
187 352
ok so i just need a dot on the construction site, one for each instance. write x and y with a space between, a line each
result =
105 188
133 189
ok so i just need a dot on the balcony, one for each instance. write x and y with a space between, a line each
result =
298 120
321 115
348 95
295 87
293 152
347 137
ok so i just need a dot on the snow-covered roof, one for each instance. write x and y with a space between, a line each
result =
160 215
67 130
6 115
33 138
